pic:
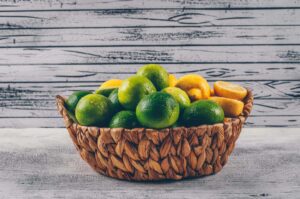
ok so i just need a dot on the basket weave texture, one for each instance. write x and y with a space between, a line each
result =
148 154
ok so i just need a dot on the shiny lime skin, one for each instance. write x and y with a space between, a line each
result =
180 96
133 89
203 112
124 119
74 98
113 97
156 74
105 91
93 110
157 110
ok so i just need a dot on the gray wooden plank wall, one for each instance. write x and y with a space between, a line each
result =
50 47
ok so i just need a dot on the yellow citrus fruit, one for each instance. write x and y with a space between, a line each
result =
192 84
107 87
112 83
212 92
194 94
229 90
231 107
172 80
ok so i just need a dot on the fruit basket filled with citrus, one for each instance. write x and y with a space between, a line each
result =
152 126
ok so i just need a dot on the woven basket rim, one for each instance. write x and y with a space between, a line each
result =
248 103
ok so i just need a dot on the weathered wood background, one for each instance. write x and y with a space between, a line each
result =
50 47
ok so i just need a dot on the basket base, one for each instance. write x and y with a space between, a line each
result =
206 158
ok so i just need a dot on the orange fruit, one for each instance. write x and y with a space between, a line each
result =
229 90
231 107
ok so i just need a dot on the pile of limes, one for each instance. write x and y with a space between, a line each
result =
153 98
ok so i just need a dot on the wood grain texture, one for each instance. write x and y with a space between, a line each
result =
8 5
43 163
147 18
226 35
99 73
153 54
50 47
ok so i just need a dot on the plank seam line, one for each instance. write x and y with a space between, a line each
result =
155 9
162 26
140 63
149 45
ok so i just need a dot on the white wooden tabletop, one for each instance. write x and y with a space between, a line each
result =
43 163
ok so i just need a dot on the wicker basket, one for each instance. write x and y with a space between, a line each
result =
148 154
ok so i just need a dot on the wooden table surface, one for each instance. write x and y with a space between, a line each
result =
43 163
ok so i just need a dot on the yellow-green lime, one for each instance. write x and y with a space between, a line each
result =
157 110
108 86
113 97
93 110
133 89
156 74
124 119
105 91
203 112
74 98
179 95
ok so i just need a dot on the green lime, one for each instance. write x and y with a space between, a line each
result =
177 124
156 74
108 86
133 89
113 97
124 119
157 110
74 98
179 95
93 110
203 112
105 91
72 116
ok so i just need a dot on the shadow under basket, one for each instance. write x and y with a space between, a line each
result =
148 154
